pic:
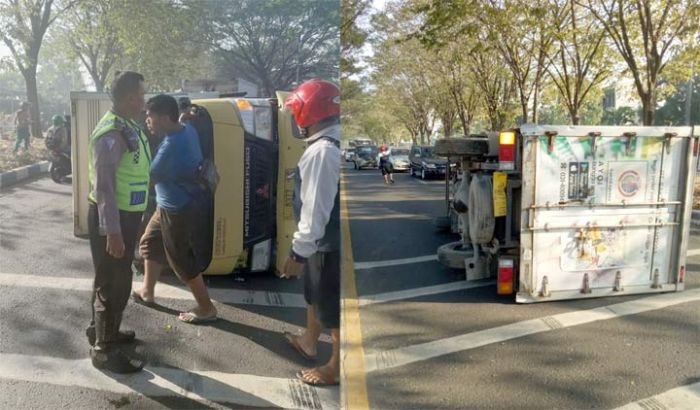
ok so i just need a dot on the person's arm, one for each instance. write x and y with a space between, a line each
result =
320 175
107 152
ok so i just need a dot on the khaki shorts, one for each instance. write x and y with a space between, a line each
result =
176 238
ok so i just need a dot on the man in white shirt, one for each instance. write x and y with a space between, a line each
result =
316 243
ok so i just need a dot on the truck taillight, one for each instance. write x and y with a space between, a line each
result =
506 150
695 147
506 267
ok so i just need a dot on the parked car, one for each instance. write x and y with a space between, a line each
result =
399 159
366 156
425 163
349 154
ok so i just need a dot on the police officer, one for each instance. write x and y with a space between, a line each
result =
118 165
316 243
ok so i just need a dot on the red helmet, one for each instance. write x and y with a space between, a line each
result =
314 101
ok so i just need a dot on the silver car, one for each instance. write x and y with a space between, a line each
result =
399 159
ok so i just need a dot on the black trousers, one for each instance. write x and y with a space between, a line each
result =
112 285
322 287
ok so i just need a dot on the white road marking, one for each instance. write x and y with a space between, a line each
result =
693 252
394 262
206 387
424 291
424 351
165 291
680 398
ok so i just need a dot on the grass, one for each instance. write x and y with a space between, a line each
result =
9 160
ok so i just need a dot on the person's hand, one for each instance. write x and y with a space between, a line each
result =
292 268
115 245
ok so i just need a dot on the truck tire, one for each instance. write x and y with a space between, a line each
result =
452 255
461 146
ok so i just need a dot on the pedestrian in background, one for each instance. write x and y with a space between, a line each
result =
22 123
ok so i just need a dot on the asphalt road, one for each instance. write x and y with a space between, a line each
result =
241 361
597 364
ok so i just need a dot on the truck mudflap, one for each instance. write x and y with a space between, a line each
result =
605 210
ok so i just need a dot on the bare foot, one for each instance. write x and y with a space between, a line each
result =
199 312
320 376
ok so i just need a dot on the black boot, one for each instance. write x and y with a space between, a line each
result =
123 336
113 359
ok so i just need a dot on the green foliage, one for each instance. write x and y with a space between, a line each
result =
276 43
673 110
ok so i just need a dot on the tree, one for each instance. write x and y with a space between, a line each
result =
647 34
525 44
165 40
673 110
352 37
24 24
576 66
277 43
91 32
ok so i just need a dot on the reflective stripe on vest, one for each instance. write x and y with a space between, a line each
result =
132 170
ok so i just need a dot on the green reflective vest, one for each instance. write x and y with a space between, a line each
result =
133 168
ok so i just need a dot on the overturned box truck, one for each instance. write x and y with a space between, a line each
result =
569 212
253 146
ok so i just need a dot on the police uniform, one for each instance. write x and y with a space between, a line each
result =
123 146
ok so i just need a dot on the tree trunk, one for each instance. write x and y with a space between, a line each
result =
648 111
33 98
575 117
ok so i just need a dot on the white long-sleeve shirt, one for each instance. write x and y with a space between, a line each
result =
319 169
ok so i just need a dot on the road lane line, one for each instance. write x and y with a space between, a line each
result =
394 262
424 351
163 291
205 387
680 398
424 291
353 378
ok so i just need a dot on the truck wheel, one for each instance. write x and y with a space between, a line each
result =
461 146
452 255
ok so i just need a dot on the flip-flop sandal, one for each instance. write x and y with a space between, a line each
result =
323 380
293 341
141 301
194 319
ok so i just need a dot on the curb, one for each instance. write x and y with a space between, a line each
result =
20 174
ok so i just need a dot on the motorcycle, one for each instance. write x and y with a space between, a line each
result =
60 166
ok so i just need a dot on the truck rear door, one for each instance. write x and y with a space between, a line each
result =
605 210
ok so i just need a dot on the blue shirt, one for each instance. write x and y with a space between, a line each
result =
174 169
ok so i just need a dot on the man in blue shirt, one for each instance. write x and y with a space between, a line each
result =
175 231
